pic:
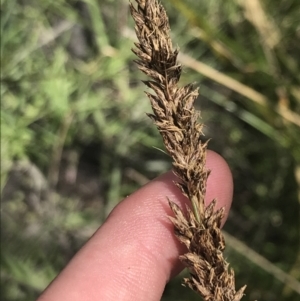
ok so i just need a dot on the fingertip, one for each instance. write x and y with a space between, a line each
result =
220 181
135 252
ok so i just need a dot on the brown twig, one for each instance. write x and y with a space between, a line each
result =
177 121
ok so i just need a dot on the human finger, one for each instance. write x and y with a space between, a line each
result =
134 253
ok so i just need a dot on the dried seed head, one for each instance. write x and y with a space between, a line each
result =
178 123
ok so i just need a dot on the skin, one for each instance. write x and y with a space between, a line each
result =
135 253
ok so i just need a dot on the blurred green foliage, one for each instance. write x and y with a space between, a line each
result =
75 139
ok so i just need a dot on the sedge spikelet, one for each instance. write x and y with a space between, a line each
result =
178 123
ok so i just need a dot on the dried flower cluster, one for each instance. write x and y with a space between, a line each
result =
177 121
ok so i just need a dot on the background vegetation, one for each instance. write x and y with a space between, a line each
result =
75 139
